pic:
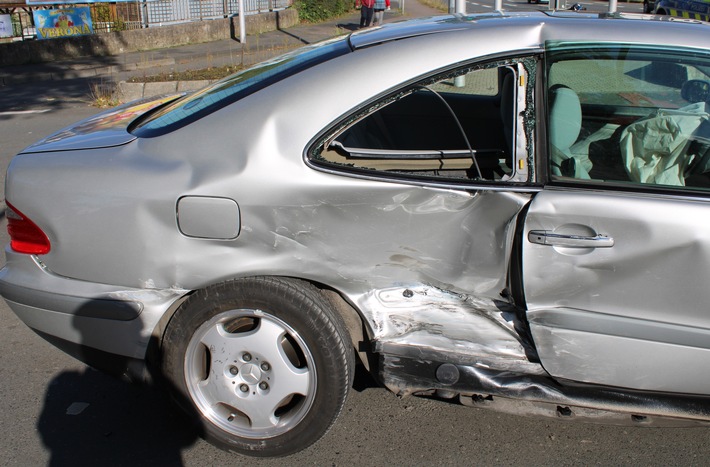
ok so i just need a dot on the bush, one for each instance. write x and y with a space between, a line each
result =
314 11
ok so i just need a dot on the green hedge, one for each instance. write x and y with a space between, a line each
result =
320 10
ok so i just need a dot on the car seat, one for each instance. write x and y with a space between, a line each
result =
565 124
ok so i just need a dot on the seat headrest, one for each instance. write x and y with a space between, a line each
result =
565 117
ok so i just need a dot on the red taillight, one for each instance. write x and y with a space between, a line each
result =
25 236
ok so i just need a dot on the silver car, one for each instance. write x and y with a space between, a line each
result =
510 209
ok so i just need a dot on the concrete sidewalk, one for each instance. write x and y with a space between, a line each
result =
114 69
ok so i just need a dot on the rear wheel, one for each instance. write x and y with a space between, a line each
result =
262 364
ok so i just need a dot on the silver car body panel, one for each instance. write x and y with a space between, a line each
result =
404 255
117 320
604 315
105 129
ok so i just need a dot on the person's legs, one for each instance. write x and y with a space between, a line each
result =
368 16
363 16
379 17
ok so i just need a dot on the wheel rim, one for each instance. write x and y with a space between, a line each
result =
250 374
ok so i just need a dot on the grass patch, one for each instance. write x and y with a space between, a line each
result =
103 95
441 5
212 73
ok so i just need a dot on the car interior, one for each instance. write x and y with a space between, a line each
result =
459 127
646 121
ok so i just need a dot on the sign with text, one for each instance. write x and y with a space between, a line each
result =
66 22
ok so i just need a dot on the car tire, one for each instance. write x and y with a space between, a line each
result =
262 365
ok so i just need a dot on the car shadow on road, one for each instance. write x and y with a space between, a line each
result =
363 379
122 415
90 418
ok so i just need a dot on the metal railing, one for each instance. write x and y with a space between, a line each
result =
162 12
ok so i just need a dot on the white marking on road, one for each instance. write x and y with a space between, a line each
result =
22 112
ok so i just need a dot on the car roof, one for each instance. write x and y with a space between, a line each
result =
552 25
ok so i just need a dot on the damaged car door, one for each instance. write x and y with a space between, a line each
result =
616 247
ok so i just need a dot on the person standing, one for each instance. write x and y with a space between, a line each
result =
379 9
367 9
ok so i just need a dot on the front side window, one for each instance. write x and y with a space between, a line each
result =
457 127
629 115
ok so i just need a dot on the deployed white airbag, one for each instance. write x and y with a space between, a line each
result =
655 150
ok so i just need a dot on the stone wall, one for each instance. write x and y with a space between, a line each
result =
39 51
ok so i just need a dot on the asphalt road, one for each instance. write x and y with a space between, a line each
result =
55 411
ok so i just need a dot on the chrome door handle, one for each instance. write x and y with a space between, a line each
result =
545 237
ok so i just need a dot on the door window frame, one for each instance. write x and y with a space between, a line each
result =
555 52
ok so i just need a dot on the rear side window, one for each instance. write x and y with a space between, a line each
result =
459 127
195 106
